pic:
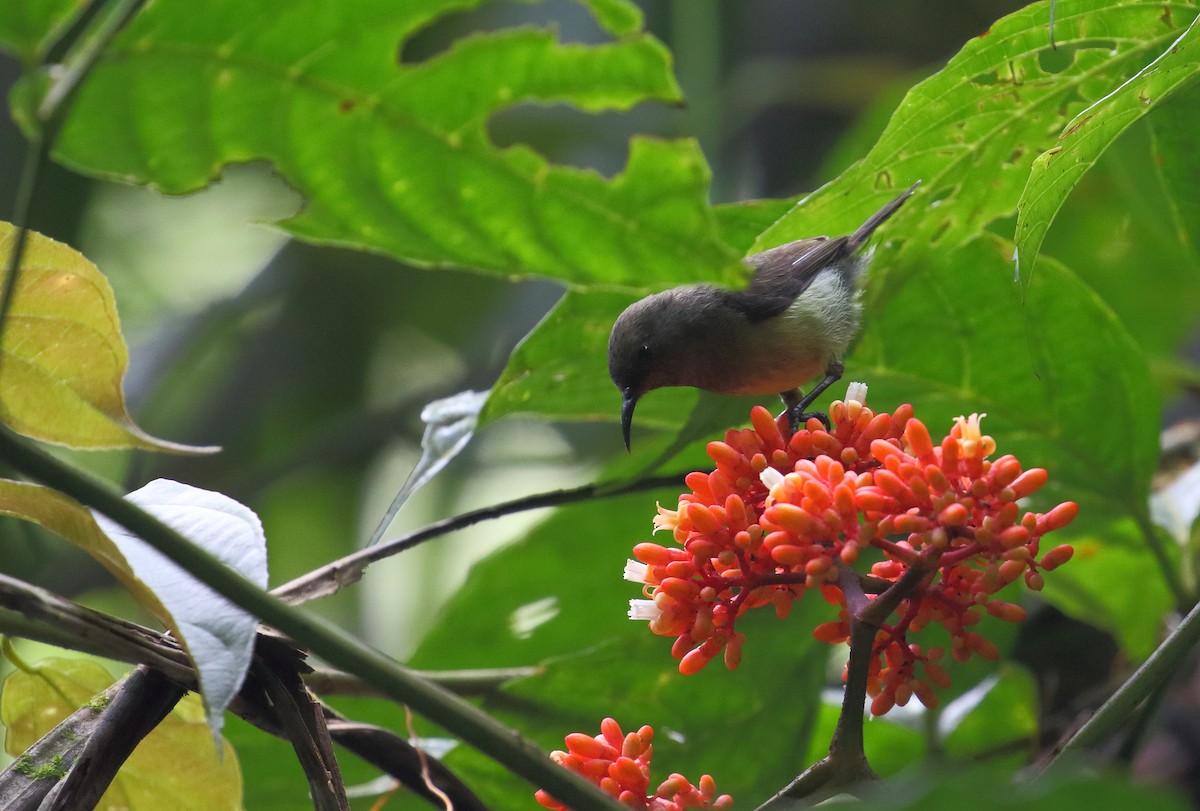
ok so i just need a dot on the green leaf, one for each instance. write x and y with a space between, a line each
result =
1043 363
619 17
1177 153
998 712
1055 172
63 355
396 157
32 702
1115 588
1120 233
997 104
29 27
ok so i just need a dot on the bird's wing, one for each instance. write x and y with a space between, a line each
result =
783 273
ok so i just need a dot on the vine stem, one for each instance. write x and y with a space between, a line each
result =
1113 715
319 635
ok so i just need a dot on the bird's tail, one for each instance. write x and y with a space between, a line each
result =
855 241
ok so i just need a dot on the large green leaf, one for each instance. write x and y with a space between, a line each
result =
29 27
64 358
396 157
957 786
1178 155
1063 384
972 131
1055 172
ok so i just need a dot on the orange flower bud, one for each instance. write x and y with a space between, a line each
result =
1057 557
631 777
1013 537
1009 612
872 499
831 632
919 442
955 515
766 427
653 554
724 455
1058 517
789 554
882 703
937 675
693 661
588 747
925 694
1030 482
983 646
702 518
790 517
882 449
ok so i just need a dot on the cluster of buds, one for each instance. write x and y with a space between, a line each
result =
620 765
783 513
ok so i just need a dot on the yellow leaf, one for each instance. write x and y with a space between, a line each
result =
69 519
64 356
175 766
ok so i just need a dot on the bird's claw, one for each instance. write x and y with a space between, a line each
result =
798 418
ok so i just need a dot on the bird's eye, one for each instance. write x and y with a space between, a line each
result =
644 351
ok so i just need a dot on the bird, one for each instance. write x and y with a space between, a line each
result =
794 320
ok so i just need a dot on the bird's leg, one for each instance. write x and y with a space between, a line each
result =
795 403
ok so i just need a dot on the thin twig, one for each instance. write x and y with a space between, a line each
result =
329 578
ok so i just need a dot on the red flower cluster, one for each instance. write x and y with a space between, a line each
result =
620 765
785 513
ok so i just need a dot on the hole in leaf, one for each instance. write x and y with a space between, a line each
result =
570 21
568 136
1056 60
942 228
937 196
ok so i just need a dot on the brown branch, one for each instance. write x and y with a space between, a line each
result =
304 724
71 766
34 613
328 579
846 764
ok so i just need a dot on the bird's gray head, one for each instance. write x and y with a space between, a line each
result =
652 344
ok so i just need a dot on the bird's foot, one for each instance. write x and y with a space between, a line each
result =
798 418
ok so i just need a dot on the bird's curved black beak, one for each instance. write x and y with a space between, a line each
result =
627 406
